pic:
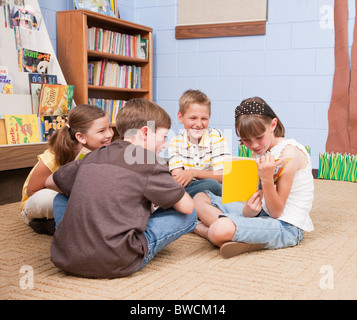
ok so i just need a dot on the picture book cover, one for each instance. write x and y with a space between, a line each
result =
35 91
21 128
241 179
6 85
33 61
42 78
50 124
56 99
25 17
100 6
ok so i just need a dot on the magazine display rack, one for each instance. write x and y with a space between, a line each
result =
74 55
25 155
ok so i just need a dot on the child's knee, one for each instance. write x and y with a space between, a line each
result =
221 231
201 198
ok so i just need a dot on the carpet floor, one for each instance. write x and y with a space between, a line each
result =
323 266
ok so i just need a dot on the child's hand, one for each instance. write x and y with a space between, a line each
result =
183 177
253 205
266 167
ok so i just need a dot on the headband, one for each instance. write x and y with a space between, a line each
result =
254 107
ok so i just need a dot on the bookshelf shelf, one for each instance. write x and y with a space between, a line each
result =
72 28
20 156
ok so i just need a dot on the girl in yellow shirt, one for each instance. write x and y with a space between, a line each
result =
87 126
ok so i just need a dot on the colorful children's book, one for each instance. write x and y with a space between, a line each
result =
33 61
101 6
56 99
21 128
241 179
50 124
6 86
42 78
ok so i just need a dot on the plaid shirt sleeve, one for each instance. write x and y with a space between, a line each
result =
175 158
219 149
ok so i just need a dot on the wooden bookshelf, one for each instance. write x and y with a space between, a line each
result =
73 55
20 156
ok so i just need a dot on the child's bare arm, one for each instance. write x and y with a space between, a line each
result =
185 204
184 177
275 198
38 178
51 184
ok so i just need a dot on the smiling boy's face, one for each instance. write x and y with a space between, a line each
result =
195 120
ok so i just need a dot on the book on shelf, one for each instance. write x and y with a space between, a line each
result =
111 74
33 61
241 179
21 128
42 78
50 124
143 52
100 6
3 139
26 17
111 107
56 99
6 81
117 43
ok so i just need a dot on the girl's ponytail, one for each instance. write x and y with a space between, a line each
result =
63 145
63 142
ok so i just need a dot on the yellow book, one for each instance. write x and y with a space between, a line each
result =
241 179
21 128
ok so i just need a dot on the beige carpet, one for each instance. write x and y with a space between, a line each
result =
323 266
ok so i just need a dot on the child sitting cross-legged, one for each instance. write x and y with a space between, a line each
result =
196 156
106 230
276 216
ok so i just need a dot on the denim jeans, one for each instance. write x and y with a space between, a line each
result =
164 226
202 185
59 207
262 229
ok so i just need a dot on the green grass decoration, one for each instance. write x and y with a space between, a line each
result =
243 151
336 166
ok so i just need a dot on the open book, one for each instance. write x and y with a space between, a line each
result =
241 180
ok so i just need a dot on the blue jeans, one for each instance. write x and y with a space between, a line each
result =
164 226
197 186
263 229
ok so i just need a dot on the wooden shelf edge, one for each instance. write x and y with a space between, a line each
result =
115 57
221 30
20 156
103 88
113 20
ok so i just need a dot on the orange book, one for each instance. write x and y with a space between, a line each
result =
55 99
241 179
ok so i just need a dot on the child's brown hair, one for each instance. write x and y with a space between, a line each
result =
252 115
193 96
63 142
138 113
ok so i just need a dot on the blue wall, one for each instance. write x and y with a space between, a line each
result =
291 66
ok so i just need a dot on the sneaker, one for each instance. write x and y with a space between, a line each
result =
231 249
43 226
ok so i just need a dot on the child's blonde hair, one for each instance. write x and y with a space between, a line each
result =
193 96
63 142
252 116
138 113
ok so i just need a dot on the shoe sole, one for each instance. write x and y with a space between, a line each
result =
231 249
